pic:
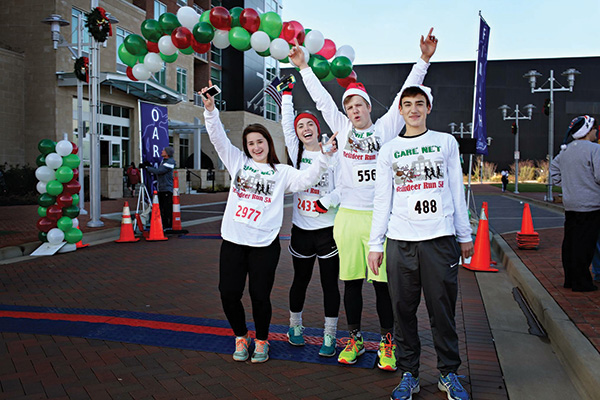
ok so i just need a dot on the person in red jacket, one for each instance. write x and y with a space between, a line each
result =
133 178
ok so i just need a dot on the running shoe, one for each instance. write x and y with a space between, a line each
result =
407 387
354 348
387 354
261 351
295 337
328 347
451 385
241 348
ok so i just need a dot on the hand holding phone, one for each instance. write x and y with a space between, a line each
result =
212 91
285 83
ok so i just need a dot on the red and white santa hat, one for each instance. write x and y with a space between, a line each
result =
356 89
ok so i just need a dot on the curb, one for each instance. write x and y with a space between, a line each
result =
580 358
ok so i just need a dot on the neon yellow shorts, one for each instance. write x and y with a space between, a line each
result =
351 232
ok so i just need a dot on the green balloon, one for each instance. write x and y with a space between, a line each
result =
235 16
46 200
72 161
319 65
64 224
75 199
203 32
54 188
46 146
239 38
40 160
205 17
286 60
43 237
187 51
341 67
64 174
328 78
271 24
170 58
136 45
71 211
42 211
265 53
125 56
168 22
151 30
73 235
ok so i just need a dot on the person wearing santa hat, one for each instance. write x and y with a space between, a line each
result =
577 169
313 214
360 140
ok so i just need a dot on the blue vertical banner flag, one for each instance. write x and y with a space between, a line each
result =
479 121
154 123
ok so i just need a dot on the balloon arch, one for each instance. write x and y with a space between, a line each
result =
241 28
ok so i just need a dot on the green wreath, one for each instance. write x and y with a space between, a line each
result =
82 69
97 24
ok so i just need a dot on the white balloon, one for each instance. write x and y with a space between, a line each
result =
75 223
314 41
188 17
153 62
53 160
346 51
260 41
221 39
45 174
279 49
41 187
306 55
64 148
140 72
55 236
166 46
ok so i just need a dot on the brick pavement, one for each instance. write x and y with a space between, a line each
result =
179 277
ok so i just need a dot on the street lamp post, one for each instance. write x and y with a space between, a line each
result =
517 115
532 76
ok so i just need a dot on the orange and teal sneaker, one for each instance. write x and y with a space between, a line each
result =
241 348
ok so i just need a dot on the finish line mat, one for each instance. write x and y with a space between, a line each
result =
200 334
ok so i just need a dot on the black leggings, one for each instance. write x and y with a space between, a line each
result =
353 302
259 264
329 269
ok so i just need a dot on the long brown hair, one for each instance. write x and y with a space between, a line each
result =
258 128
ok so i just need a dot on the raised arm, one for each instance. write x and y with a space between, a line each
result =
287 123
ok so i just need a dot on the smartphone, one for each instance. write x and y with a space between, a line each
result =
285 83
212 91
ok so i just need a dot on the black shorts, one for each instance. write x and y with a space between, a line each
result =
307 244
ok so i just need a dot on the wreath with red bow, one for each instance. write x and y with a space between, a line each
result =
98 25
82 69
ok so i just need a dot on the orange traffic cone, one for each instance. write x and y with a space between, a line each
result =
81 245
176 224
127 235
140 225
156 228
481 259
484 206
527 238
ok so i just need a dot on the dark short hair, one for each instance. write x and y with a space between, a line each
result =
258 128
412 92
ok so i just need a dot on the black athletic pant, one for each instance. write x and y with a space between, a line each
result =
329 270
353 302
258 264
433 266
165 203
579 243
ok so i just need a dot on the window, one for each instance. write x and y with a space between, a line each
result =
182 81
121 35
198 9
184 150
161 76
216 78
271 71
182 3
77 15
215 55
271 5
159 9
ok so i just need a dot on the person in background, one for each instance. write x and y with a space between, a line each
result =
164 174
504 178
577 169
133 178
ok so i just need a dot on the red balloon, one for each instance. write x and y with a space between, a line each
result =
64 200
75 148
54 212
152 47
76 174
220 18
293 30
181 37
344 82
200 47
129 73
44 224
71 187
250 20
328 49
283 29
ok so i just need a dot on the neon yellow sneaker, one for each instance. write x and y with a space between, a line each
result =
387 354
354 348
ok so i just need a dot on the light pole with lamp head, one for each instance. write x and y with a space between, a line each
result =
517 115
532 77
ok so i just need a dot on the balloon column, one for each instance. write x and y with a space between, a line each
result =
58 186
240 28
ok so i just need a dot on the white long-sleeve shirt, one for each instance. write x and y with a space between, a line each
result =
419 193
305 215
355 173
254 211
